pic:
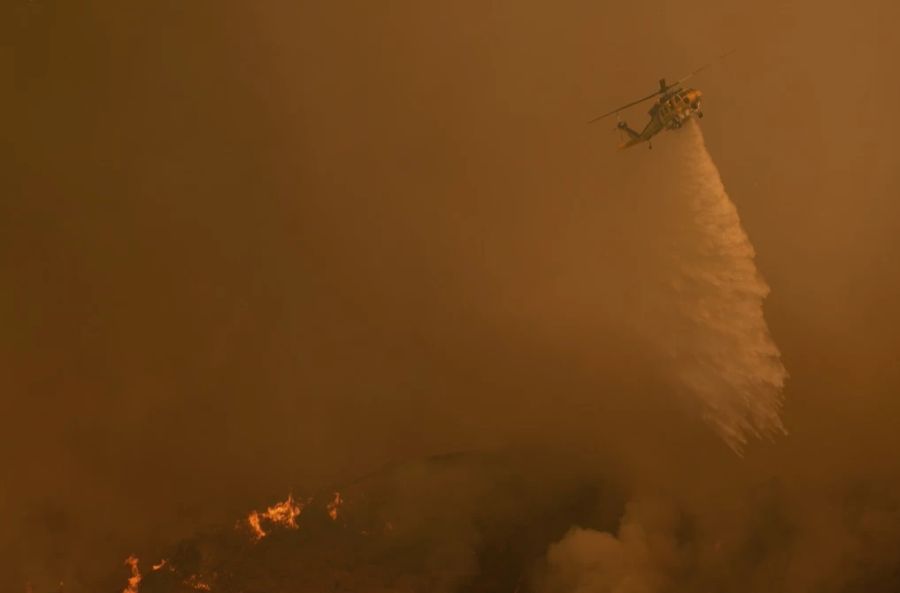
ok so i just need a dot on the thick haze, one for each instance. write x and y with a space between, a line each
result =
250 247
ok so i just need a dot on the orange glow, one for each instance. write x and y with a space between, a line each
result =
135 579
334 506
283 514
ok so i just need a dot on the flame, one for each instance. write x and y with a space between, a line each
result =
334 506
163 564
253 521
135 579
283 514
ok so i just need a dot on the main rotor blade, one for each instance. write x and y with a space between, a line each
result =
687 76
662 91
632 104
700 69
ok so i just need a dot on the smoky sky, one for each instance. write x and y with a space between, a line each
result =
249 248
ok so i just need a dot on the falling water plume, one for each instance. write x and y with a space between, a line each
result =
721 351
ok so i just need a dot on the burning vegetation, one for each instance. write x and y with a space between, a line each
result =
135 579
440 525
283 514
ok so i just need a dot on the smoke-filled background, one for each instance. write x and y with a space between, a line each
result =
249 249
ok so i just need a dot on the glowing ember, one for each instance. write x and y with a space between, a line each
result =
135 579
334 506
161 565
283 514
196 583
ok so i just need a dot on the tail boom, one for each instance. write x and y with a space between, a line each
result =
633 136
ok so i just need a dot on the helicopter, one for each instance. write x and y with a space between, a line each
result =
674 106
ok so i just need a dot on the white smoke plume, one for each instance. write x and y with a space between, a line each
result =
643 557
718 346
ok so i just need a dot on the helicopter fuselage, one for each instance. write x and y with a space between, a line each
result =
673 108
676 107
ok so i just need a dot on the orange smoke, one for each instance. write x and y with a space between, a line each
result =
135 579
283 514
